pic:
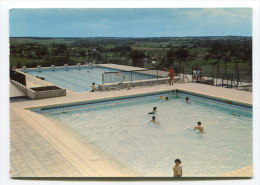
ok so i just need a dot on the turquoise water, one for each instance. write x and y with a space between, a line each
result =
123 130
80 79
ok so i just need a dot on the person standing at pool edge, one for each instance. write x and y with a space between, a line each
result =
93 86
177 169
171 74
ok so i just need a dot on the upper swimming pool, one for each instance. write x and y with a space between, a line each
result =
79 79
122 129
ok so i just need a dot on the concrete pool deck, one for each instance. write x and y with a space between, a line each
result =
39 148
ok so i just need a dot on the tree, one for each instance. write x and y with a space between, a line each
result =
137 57
239 54
82 53
18 65
182 55
216 51
169 58
247 55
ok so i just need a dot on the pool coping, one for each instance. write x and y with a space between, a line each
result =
226 102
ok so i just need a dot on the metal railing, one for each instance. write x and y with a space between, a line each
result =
133 76
229 80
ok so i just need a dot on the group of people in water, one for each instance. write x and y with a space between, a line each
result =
187 100
177 169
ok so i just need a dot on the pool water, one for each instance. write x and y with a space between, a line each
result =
79 79
123 130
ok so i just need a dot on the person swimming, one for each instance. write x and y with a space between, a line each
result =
154 111
187 100
200 128
165 98
154 121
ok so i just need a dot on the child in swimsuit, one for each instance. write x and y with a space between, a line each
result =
93 87
177 169
200 128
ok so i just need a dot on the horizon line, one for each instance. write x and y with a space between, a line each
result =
128 37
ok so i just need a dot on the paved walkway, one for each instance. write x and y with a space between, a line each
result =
15 92
32 155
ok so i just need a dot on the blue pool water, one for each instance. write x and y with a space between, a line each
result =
122 129
80 79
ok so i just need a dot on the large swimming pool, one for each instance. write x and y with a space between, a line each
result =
122 129
79 79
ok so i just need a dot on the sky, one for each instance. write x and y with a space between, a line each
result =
127 22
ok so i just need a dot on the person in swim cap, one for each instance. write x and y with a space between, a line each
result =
166 98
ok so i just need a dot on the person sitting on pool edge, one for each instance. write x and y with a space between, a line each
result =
200 128
93 87
177 169
187 100
154 111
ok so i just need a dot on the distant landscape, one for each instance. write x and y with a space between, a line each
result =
219 53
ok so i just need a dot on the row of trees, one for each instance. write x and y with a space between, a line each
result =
229 53
220 53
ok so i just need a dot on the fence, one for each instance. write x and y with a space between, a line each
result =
18 77
229 80
133 76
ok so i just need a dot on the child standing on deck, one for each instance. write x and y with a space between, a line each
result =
177 169
93 86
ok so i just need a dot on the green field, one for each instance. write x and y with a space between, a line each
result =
58 51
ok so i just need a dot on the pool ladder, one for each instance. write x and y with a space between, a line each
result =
175 90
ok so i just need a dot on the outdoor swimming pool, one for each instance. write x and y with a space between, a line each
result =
79 79
122 129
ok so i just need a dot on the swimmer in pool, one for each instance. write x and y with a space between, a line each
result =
167 99
154 111
154 121
200 128
187 100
